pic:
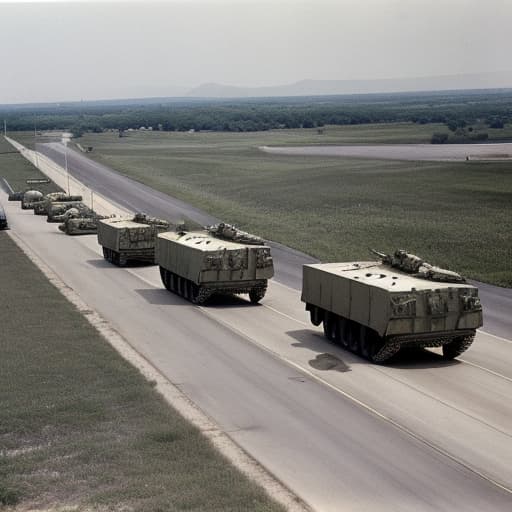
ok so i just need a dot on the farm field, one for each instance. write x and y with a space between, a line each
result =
457 215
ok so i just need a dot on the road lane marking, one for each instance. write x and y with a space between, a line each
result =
494 336
485 369
285 315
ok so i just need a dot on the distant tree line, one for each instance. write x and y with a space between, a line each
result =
456 110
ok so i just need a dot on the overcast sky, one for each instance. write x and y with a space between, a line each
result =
91 50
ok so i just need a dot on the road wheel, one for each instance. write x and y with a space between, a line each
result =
364 341
457 346
343 328
163 273
256 294
331 327
186 289
105 253
353 336
173 282
327 321
316 315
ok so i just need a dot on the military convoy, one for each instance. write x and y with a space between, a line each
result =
130 239
220 259
374 308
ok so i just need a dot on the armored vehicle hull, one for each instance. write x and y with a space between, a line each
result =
80 226
58 209
374 309
126 239
43 207
197 265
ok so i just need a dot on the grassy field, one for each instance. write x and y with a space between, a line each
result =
16 170
79 426
457 215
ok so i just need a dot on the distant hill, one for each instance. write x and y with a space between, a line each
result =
499 79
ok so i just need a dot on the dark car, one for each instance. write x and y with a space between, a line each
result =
3 219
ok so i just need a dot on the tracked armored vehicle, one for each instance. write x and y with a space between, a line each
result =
29 198
43 207
374 308
80 225
56 210
130 239
220 259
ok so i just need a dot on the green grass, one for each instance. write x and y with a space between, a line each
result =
457 215
16 170
79 426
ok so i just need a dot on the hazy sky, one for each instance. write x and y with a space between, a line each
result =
92 50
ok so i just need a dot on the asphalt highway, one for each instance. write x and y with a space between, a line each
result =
419 434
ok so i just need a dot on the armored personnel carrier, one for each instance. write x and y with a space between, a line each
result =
220 259
43 207
374 308
56 210
130 239
29 198
77 224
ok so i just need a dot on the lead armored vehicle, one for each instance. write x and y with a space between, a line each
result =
374 308
130 239
220 259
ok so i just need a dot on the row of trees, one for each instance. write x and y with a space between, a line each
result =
456 111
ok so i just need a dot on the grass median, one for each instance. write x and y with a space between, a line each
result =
456 215
80 427
16 169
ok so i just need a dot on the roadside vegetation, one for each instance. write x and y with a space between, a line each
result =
457 215
16 170
81 429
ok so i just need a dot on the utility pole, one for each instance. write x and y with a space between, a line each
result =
5 128
66 163
35 149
